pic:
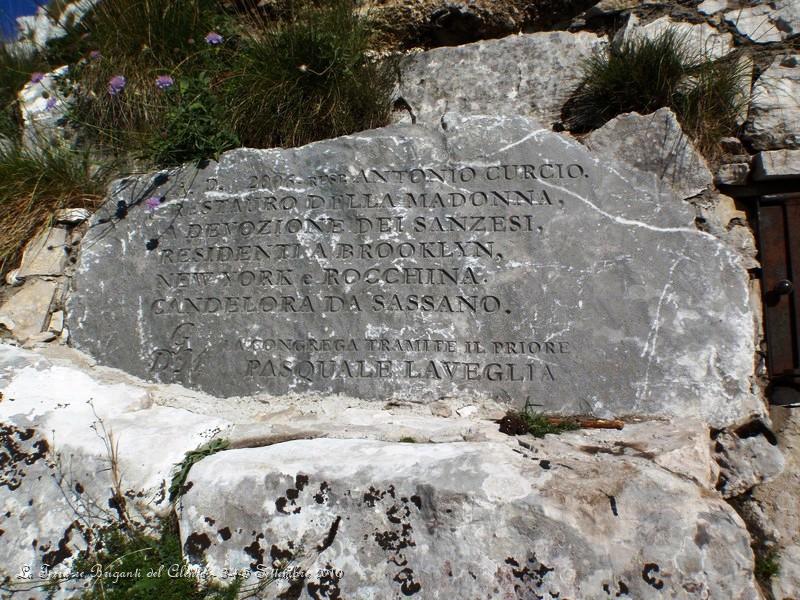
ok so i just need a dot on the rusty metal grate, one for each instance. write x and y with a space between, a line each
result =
779 246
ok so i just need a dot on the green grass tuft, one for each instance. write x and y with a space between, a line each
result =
642 75
176 486
149 559
35 185
538 425
308 79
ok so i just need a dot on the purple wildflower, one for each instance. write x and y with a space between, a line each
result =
51 103
37 77
116 84
213 38
95 54
153 202
164 81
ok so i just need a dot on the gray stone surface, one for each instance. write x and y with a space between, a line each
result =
44 107
774 121
766 21
467 520
27 312
732 173
643 496
670 154
45 254
581 295
776 164
701 39
497 76
745 461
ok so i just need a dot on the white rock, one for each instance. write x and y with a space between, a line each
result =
776 164
13 278
497 76
390 516
774 121
746 462
732 174
767 22
671 156
458 520
43 109
45 254
29 308
709 7
72 216
56 322
702 39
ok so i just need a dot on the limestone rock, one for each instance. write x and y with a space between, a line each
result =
776 164
464 520
702 39
44 108
29 308
746 461
474 506
497 76
72 216
671 156
774 121
768 21
48 23
732 173
45 254
615 265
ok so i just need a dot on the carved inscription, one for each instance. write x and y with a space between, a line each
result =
320 278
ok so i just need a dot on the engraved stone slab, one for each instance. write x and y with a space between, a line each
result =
487 257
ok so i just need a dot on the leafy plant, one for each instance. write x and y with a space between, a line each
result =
36 184
151 560
307 79
176 487
137 40
768 564
194 125
643 74
534 423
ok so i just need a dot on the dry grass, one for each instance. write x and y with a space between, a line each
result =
35 185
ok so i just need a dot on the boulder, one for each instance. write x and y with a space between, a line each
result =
583 515
44 106
27 312
45 254
496 77
332 505
671 155
701 39
774 121
595 310
766 22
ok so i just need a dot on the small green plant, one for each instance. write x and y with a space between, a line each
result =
539 426
37 183
768 564
536 424
176 487
194 124
148 567
307 79
407 440
643 74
